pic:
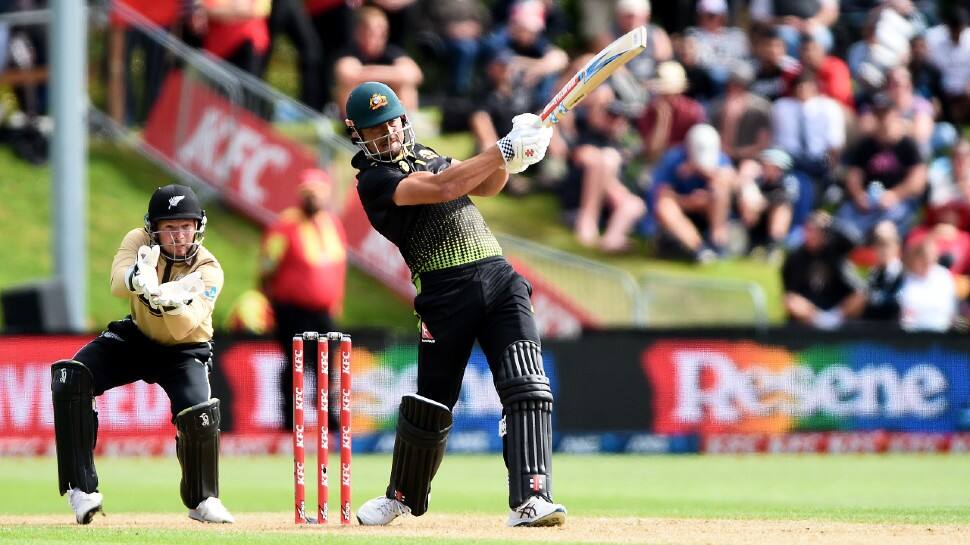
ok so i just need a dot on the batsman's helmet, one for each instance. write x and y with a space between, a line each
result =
370 104
175 202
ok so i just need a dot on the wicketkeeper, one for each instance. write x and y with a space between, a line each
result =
171 282
467 291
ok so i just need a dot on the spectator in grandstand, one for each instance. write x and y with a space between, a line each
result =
333 21
868 61
886 176
629 15
401 15
128 42
821 287
237 32
691 195
949 187
886 276
719 47
700 85
773 67
949 50
455 35
594 185
927 78
742 118
536 59
171 283
915 112
670 114
810 127
554 17
831 72
952 245
772 199
595 26
371 58
290 18
797 18
303 263
504 99
629 82
927 300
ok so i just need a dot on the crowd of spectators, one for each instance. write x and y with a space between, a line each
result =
824 134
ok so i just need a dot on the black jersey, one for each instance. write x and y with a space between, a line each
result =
430 236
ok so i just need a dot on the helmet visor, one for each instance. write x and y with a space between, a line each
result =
397 139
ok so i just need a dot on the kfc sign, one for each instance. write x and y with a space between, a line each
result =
255 168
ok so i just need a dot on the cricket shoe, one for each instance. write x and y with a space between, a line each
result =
381 511
84 505
536 511
211 510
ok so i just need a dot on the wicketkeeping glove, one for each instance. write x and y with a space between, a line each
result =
172 297
525 144
142 276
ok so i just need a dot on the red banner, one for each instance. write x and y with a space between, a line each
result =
255 168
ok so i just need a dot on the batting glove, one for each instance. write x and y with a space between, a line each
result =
525 144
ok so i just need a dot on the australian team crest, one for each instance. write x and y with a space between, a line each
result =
377 101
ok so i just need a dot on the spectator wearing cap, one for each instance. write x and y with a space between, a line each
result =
505 97
371 58
831 72
810 127
303 265
821 287
773 67
537 61
927 299
593 187
719 47
886 176
886 276
772 199
669 115
741 117
797 18
691 194
949 50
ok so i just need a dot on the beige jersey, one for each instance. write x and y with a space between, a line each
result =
193 325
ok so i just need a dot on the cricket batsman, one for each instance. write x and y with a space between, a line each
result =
467 291
171 283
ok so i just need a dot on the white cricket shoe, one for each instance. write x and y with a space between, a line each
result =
536 511
381 511
211 510
84 505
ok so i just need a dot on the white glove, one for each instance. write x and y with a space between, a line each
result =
525 144
172 297
828 319
142 277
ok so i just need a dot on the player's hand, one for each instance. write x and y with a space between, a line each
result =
173 297
141 276
525 144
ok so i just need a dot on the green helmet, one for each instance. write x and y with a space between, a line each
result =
372 103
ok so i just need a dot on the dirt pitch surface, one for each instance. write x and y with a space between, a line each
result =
664 531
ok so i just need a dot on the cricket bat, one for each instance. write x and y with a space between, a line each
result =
594 73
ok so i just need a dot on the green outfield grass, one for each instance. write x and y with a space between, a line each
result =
918 489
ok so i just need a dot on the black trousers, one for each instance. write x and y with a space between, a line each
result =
122 354
485 301
292 320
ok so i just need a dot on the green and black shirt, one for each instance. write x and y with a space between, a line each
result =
430 236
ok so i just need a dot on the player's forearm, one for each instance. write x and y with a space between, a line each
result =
461 179
119 270
492 185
